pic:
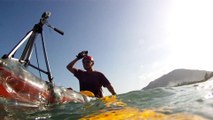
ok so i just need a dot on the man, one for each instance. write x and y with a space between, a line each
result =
90 79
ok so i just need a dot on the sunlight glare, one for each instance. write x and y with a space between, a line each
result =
191 26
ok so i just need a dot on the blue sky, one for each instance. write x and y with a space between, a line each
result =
132 41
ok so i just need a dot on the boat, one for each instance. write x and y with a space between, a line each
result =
21 86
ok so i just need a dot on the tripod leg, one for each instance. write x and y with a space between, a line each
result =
26 54
46 60
13 51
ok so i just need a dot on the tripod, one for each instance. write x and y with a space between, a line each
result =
30 37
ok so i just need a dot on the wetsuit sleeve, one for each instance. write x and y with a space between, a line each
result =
104 81
107 84
77 73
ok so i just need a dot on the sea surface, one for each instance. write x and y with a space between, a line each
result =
195 100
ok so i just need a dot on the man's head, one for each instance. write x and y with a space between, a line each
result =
88 62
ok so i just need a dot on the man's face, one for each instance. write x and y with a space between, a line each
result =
87 64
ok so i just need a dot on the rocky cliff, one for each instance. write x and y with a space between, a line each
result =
180 77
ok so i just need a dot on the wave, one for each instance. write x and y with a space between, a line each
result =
195 99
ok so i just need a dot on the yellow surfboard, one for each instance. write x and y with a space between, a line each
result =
87 93
128 113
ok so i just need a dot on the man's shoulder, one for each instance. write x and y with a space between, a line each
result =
98 72
78 71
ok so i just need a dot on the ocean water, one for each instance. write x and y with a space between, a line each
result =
195 100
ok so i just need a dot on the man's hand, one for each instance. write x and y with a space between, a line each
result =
82 54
